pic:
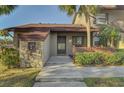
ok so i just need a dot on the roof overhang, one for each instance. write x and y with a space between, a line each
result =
41 31
36 35
51 28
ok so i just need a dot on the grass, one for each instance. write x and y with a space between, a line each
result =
105 82
18 77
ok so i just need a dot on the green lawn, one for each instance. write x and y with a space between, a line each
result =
18 77
104 82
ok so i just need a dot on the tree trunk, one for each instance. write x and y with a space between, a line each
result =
88 34
112 43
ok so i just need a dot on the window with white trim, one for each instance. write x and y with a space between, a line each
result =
101 19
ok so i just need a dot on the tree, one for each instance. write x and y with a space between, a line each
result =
109 35
8 56
87 10
6 10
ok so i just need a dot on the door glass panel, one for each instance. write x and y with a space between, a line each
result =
61 45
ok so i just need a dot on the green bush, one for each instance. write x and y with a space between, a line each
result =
115 58
95 58
88 58
120 50
9 57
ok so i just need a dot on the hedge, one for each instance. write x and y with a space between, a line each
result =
99 58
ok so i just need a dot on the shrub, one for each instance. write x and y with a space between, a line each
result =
95 58
88 58
120 50
115 58
10 57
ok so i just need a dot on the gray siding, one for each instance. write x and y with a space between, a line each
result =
53 44
46 49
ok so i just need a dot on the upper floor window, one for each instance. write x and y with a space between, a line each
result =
101 18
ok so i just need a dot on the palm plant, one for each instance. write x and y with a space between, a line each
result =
87 10
109 35
6 10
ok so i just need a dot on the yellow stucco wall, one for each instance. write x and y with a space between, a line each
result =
121 45
81 20
121 42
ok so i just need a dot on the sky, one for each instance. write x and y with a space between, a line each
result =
27 14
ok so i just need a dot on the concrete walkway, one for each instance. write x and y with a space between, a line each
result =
61 72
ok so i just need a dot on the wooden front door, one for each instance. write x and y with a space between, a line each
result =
61 45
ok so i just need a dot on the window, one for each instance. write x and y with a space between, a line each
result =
101 19
79 40
32 46
96 43
95 39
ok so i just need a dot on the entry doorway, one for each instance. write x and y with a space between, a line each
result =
61 45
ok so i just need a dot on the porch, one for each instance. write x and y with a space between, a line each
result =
61 43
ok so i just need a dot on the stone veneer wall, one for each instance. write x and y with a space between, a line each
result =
29 59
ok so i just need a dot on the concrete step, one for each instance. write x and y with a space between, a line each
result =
59 79
53 64
59 84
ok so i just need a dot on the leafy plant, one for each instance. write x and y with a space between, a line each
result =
115 59
99 58
88 58
6 9
10 57
109 35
